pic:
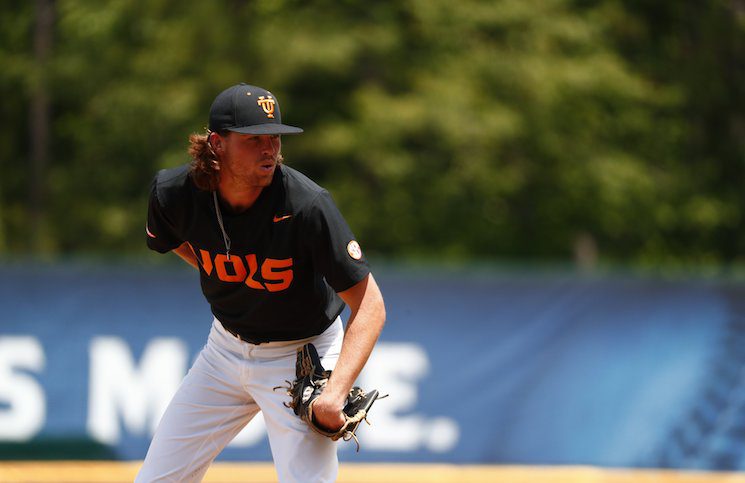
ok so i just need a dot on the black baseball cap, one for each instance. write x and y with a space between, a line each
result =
248 109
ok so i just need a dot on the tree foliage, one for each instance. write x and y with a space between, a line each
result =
458 130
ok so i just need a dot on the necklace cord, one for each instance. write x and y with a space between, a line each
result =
225 236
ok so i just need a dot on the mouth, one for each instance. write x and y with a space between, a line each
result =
267 165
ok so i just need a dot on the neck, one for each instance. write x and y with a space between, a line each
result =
239 198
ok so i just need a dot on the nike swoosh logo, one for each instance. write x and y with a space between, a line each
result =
149 233
280 218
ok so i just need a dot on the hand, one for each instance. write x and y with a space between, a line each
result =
328 413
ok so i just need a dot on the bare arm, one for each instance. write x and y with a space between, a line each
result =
365 323
187 253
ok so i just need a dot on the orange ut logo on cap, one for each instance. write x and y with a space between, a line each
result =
267 104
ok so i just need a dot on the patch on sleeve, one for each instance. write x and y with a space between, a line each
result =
354 250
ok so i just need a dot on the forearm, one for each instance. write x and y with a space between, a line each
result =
363 328
187 254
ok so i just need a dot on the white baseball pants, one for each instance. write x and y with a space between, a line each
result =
230 382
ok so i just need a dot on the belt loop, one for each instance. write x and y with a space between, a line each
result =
235 334
238 336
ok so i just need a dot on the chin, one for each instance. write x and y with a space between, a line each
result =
265 180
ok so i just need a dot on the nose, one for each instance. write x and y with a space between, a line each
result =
269 145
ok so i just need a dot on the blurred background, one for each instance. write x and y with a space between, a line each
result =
551 193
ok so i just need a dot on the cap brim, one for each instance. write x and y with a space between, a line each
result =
270 128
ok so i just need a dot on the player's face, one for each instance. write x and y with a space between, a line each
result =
250 158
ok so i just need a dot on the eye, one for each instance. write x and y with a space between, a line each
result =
253 140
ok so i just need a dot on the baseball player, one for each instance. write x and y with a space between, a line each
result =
277 262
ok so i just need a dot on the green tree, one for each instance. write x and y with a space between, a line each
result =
458 130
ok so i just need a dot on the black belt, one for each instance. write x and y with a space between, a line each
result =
240 337
263 341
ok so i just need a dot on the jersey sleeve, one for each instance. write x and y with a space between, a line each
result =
161 232
335 252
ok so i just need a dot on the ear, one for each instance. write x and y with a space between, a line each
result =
215 141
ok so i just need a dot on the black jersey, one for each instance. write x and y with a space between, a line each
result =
291 252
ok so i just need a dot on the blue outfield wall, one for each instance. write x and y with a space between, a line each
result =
481 368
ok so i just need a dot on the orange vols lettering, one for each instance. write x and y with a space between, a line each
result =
253 266
283 277
206 261
277 274
239 271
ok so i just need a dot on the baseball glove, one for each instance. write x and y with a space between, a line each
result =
310 382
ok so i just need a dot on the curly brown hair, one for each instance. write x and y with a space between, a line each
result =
205 168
